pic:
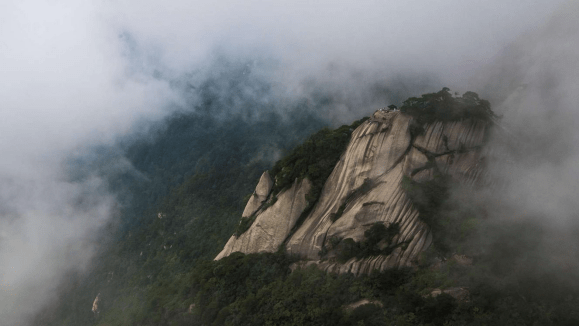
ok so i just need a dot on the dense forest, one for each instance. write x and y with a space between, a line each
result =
183 199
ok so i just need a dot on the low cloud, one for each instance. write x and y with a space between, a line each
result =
76 74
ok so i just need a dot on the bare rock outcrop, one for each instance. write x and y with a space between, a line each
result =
363 302
273 224
95 305
459 293
259 195
365 187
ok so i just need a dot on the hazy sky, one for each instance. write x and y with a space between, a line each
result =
78 69
74 72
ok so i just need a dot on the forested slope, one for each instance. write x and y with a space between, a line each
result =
186 198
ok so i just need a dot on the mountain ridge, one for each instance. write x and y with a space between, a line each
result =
367 186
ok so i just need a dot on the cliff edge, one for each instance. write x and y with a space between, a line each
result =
364 218
367 187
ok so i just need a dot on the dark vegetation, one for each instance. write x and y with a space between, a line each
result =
244 224
377 241
366 186
313 159
180 193
335 216
442 106
259 289
428 197
449 225
157 269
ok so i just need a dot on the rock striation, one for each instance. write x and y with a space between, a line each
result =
259 195
95 305
273 221
365 188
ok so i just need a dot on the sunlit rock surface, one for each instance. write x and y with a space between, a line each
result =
272 224
366 182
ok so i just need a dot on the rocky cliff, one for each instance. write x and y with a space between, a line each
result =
366 188
273 221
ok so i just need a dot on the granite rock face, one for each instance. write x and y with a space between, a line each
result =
259 195
95 305
367 184
365 188
273 223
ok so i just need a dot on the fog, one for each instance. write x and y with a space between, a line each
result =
533 83
81 73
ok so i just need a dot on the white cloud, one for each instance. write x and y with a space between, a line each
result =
84 71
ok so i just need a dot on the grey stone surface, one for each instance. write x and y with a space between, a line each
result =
367 183
272 225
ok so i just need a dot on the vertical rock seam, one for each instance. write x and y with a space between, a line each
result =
272 224
365 188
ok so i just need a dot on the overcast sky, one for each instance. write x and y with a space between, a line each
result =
68 71
74 72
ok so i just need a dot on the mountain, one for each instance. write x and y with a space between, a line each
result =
381 222
370 190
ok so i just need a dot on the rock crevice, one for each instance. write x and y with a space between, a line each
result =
382 151
272 224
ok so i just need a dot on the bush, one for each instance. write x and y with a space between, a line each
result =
314 159
348 248
442 106
366 186
244 225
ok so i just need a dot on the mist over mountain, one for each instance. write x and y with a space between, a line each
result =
533 83
111 109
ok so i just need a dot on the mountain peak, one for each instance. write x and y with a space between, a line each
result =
373 209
